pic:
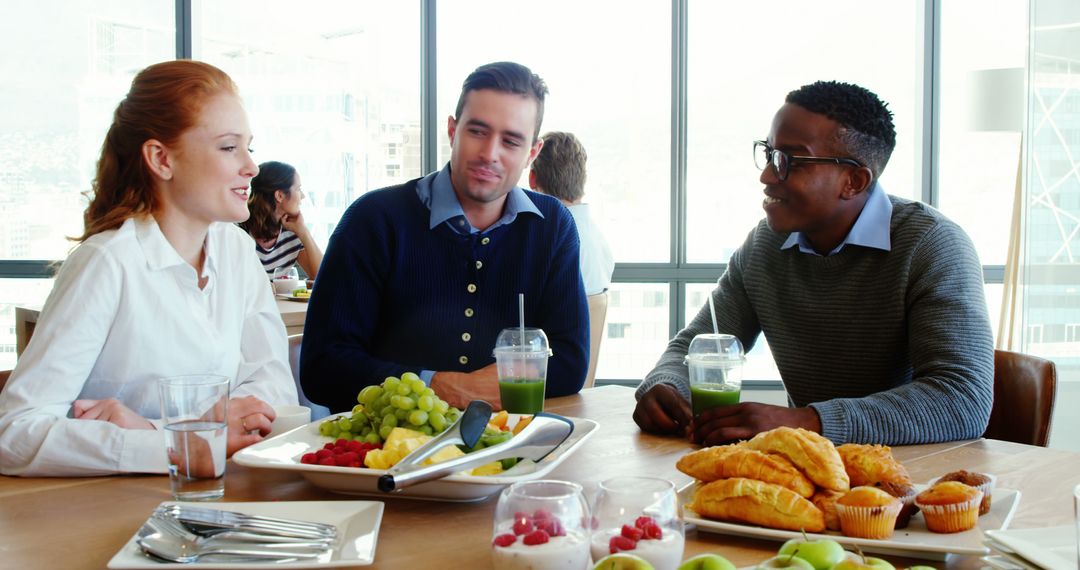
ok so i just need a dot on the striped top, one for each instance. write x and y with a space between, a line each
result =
282 254
890 347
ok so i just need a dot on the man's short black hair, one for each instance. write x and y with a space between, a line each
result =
867 130
506 77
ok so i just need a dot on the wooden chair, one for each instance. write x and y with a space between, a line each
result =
1024 390
597 317
317 412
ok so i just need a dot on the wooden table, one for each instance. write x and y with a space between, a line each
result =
293 314
82 523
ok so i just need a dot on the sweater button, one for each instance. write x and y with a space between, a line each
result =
469 312
466 337
471 288
485 241
463 359
479 264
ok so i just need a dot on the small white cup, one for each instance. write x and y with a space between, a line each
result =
288 418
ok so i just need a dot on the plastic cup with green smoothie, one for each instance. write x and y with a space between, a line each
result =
715 362
521 358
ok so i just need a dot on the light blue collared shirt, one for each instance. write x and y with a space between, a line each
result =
871 229
437 193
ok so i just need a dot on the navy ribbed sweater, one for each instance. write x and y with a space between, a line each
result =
393 296
890 347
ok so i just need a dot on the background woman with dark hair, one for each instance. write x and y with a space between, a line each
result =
281 236
162 283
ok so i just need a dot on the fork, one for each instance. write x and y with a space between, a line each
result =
203 518
167 524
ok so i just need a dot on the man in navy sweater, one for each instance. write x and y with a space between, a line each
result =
421 277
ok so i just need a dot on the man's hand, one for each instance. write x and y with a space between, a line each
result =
460 388
663 410
249 420
726 424
109 410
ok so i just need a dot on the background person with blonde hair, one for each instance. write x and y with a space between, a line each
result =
282 239
559 171
158 286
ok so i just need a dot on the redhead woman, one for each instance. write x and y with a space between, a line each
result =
276 223
161 284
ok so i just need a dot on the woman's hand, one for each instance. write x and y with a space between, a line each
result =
109 410
249 421
294 224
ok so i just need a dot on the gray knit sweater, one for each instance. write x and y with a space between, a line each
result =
890 347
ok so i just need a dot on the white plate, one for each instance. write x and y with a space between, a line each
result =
284 452
357 522
291 297
915 540
1052 548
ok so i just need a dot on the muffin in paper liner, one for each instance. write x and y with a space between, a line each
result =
987 487
954 517
868 522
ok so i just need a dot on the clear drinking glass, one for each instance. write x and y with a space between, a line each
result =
521 358
194 410
715 362
541 525
641 516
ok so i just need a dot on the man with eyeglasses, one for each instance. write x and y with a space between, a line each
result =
872 305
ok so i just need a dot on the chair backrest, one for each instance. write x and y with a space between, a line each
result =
317 412
1024 391
597 317
4 375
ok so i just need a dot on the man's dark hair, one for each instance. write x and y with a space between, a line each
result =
867 130
506 77
560 167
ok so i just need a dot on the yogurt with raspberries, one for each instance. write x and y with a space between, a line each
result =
660 546
570 550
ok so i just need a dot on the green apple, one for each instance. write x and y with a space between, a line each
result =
707 561
862 562
785 561
623 561
822 554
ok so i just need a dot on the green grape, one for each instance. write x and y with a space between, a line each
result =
409 376
325 427
405 403
369 394
437 420
401 414
426 429
391 421
344 424
384 432
428 392
417 385
373 437
387 411
358 409
418 417
425 403
390 384
404 389
358 419
441 406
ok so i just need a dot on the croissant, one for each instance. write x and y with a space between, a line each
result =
808 451
725 461
757 502
872 464
826 501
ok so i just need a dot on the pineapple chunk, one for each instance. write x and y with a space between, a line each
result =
401 442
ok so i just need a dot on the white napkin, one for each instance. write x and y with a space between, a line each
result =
1051 548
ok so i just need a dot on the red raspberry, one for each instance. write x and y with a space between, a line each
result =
324 454
652 531
355 446
620 543
329 446
504 540
535 537
341 443
552 526
327 461
345 459
642 521
633 533
523 525
542 514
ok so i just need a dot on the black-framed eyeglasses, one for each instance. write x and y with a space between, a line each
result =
764 155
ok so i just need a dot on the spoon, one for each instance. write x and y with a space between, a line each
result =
176 544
